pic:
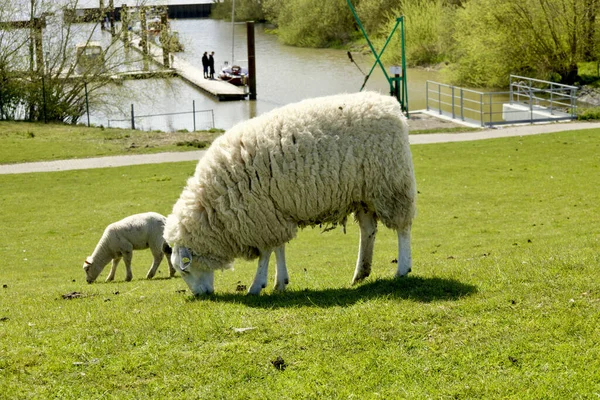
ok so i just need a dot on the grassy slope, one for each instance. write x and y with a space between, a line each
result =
24 142
503 301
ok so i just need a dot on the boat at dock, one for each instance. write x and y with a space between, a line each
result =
234 74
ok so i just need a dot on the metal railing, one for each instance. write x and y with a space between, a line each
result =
528 100
135 121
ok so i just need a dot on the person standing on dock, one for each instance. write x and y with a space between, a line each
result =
211 64
205 64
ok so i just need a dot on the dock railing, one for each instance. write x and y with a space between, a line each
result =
528 101
207 120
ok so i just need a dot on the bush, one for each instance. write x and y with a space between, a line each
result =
586 114
315 23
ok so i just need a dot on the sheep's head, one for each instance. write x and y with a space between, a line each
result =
196 270
91 270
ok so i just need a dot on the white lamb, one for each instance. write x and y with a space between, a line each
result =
136 232
310 163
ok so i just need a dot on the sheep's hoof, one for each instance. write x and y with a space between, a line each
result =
128 278
402 275
359 278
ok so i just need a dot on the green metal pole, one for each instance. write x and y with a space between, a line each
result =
404 82
377 60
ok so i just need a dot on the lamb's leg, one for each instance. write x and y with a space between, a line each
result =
171 269
168 252
368 229
281 274
155 264
260 280
404 252
113 269
127 256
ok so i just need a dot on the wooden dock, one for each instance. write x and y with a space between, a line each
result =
223 91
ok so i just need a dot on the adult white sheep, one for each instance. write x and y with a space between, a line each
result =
309 163
120 239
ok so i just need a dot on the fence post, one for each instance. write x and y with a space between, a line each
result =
462 105
440 98
481 108
44 97
453 102
194 113
132 117
551 99
491 109
530 103
427 95
213 118
87 104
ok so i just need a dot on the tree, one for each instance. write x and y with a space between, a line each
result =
540 38
43 78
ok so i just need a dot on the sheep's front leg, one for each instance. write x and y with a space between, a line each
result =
155 263
127 256
368 230
260 280
113 269
404 252
281 274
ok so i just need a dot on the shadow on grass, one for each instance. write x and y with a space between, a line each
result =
411 288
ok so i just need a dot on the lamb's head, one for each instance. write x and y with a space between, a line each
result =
92 270
197 270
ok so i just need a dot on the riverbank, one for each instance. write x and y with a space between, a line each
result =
168 157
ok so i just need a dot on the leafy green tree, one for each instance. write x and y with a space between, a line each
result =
42 77
315 23
374 14
423 30
245 10
541 38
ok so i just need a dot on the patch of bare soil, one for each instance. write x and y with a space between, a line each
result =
72 295
196 140
421 121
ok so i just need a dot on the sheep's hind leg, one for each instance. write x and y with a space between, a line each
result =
113 269
127 256
404 252
260 280
368 230
281 274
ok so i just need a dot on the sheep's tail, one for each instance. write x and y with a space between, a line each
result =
167 249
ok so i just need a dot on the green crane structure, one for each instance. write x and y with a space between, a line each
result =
398 86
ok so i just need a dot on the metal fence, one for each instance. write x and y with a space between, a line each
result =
196 120
528 100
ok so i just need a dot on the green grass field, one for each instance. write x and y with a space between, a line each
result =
503 301
25 142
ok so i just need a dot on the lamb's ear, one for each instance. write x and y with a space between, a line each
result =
185 258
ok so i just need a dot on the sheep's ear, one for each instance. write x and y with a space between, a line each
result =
185 258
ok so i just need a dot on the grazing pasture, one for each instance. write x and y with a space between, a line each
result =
503 300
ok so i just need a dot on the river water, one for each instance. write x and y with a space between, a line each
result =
285 75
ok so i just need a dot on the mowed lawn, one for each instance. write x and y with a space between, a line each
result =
503 300
27 142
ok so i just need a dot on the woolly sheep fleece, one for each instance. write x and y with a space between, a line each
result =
313 162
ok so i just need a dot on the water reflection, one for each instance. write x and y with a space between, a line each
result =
284 75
